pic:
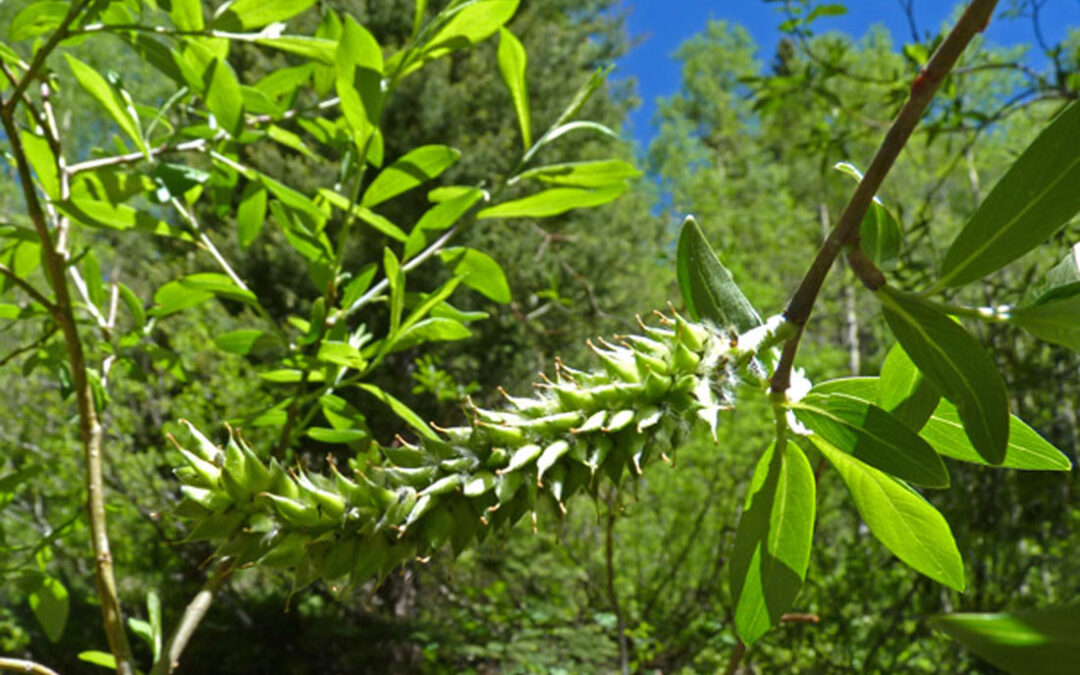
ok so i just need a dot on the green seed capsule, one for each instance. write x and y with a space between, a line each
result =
552 424
497 459
601 447
619 421
594 423
551 454
422 506
522 456
207 475
503 435
293 512
281 483
479 484
459 465
417 477
443 485
507 486
203 446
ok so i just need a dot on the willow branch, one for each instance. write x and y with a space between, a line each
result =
23 666
846 232
193 615
36 66
27 287
90 429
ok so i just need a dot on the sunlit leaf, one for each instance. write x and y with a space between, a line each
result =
1033 642
512 62
707 287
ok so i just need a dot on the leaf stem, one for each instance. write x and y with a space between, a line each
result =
23 666
846 232
193 615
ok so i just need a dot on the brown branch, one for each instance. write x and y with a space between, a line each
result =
974 20
90 429
26 286
35 68
193 615
28 347
23 666
736 658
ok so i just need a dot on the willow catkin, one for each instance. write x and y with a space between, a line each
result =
461 484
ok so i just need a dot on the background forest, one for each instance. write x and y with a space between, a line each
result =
634 583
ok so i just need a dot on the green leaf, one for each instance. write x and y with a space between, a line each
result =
1054 315
357 76
1035 198
944 432
37 18
429 330
223 96
600 173
1026 449
187 14
95 213
195 289
900 518
311 48
904 392
241 342
553 202
468 25
153 613
8 311
707 287
342 354
872 435
772 544
248 14
438 218
512 61
395 277
478 271
1034 642
50 604
879 232
401 410
956 364
380 223
98 88
251 213
98 658
416 167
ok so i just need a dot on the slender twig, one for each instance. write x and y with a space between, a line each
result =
613 597
29 347
90 429
193 615
846 231
26 286
197 145
23 666
35 69
736 658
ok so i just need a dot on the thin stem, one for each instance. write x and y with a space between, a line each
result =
974 20
736 657
193 615
197 145
613 597
23 666
25 285
90 429
14 353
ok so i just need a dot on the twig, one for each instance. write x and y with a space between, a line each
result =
736 658
26 348
90 430
193 615
35 67
23 666
196 145
974 20
26 286
613 598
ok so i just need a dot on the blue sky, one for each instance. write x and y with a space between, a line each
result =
662 25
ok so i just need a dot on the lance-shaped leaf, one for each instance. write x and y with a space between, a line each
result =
247 14
772 544
512 61
223 96
1054 315
1036 642
358 74
1032 201
956 364
37 18
879 232
414 168
50 604
104 94
553 202
707 287
1027 449
904 392
872 435
187 14
593 174
478 271
900 518
438 218
945 433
